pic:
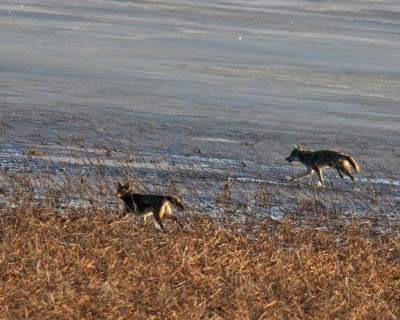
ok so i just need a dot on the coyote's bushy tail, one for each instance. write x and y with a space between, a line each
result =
176 201
353 163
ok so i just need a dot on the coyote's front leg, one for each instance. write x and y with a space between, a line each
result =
308 173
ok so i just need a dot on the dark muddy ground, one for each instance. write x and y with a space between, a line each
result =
225 87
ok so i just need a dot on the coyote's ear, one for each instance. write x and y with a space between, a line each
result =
119 184
299 147
296 146
127 185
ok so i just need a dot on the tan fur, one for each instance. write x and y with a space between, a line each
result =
318 160
144 205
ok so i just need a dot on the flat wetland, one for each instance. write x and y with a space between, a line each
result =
202 100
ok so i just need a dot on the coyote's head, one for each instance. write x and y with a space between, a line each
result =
295 154
123 190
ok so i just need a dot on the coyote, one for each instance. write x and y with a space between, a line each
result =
144 205
317 160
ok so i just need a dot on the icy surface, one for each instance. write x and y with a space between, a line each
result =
222 88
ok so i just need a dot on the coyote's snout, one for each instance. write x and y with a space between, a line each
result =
145 205
318 160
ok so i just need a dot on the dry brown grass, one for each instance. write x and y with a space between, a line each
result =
100 266
59 261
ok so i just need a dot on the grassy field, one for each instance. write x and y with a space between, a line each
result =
62 260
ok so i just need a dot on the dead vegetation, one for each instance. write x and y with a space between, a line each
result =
63 260
99 266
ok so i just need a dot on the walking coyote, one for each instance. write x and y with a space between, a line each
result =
318 160
144 205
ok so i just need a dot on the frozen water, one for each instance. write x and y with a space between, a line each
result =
222 87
